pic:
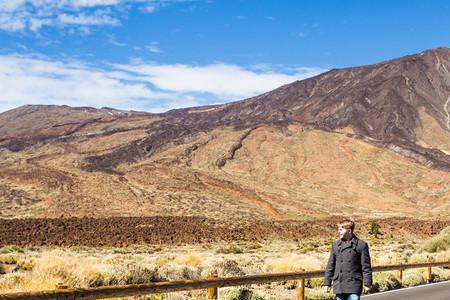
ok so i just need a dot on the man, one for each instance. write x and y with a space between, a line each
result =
349 265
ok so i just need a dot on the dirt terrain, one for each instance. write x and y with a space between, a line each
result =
369 141
119 232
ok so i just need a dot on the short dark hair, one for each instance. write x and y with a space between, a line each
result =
348 224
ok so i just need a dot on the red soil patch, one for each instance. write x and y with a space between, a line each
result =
234 189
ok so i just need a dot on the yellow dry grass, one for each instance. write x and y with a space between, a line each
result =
293 263
89 267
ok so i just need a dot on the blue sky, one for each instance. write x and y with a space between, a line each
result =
156 55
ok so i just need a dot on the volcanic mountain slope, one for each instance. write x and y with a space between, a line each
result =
31 124
372 140
384 102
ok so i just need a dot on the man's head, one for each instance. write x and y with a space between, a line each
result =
345 229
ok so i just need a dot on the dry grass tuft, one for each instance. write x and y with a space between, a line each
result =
292 263
89 267
193 260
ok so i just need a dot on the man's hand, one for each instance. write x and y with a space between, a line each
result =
326 288
367 289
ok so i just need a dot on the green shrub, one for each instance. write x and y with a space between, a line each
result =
9 258
375 229
226 268
254 246
25 263
240 294
314 282
230 249
319 294
385 281
441 242
10 249
289 285
413 279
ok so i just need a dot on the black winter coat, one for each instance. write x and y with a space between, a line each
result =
349 266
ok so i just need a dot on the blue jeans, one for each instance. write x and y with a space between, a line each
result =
347 296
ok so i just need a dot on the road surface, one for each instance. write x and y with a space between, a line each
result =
434 291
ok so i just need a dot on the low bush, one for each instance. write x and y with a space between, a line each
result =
413 279
385 281
226 268
240 294
11 248
441 242
319 294
230 249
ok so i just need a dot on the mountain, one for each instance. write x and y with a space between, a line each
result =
31 124
389 103
371 140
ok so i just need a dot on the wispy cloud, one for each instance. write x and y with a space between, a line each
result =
154 47
138 86
98 18
26 80
21 15
149 8
113 40
224 81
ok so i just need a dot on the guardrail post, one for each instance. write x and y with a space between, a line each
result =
430 275
212 292
400 275
301 289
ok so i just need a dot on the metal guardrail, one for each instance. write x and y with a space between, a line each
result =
212 283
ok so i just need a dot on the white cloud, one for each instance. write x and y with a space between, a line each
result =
149 87
99 18
149 9
154 47
25 80
222 80
20 15
92 3
113 40
36 24
9 23
10 5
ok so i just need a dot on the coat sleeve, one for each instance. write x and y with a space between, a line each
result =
329 271
366 266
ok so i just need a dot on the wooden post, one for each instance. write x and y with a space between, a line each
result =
400 276
430 275
212 292
301 289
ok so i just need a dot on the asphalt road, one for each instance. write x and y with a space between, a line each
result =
434 291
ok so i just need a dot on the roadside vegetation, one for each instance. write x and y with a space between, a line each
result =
32 269
439 243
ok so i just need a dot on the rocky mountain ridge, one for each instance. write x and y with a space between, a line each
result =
367 141
381 103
